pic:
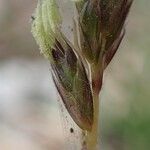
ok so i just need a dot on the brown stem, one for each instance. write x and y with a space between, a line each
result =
92 137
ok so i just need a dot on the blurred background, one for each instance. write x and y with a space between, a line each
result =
29 111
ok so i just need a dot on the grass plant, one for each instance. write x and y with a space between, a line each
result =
78 67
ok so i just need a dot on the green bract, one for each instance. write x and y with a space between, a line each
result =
45 26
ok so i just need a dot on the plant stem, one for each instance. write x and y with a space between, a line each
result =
92 136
